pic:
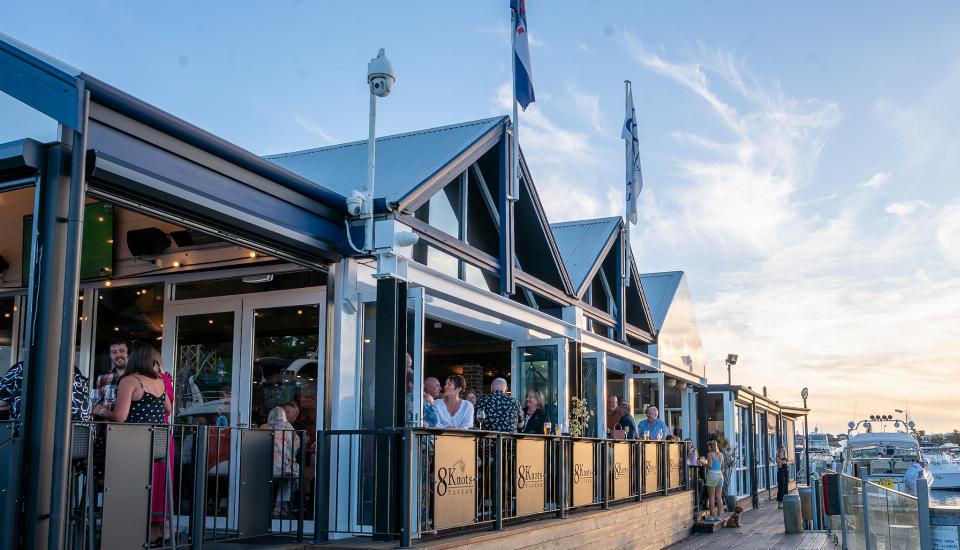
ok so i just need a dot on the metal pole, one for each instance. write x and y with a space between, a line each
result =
923 508
729 377
371 172
814 502
302 486
498 485
515 180
406 482
560 463
198 513
321 492
806 440
866 515
604 476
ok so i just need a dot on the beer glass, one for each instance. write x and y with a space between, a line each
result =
547 427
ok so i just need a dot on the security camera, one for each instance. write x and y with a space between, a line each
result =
380 75
355 203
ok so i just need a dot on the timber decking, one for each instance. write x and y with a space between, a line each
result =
761 529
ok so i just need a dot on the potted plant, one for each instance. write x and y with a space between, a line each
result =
731 456
579 417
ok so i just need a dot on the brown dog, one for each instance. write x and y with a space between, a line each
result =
734 519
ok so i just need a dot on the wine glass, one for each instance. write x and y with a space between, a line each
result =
481 416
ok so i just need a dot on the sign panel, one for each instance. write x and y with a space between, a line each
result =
945 537
454 481
530 476
651 467
621 470
583 473
675 464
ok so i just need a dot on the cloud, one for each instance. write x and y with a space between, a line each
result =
588 107
905 208
948 233
314 129
877 180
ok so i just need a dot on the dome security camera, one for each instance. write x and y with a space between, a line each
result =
355 203
381 75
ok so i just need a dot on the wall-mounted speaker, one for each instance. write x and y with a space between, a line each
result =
3 264
149 241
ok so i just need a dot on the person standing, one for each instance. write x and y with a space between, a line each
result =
502 413
534 416
454 412
104 393
783 475
653 424
141 398
714 480
286 443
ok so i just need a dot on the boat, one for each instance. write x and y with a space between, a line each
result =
944 463
881 457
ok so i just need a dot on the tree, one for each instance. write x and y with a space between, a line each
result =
955 437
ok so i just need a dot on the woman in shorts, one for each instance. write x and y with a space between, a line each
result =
714 480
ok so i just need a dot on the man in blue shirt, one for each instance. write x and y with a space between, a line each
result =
652 424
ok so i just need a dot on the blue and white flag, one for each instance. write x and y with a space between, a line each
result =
634 176
522 70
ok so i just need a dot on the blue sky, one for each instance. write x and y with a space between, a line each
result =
800 160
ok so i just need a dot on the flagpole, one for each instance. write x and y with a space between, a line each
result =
626 204
513 193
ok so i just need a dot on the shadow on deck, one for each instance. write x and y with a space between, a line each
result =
762 529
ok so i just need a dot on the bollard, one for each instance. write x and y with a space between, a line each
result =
791 515
806 504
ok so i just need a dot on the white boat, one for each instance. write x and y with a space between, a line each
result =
881 457
945 467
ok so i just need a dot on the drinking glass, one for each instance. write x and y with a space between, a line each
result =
547 427
481 416
646 434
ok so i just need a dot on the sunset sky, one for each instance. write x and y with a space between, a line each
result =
800 161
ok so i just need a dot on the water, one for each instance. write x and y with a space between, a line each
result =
945 498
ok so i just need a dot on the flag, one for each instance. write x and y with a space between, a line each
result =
634 176
522 70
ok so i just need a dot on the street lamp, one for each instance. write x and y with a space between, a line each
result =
804 393
731 361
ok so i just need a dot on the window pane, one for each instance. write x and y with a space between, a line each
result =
128 313
285 351
538 371
590 393
204 368
442 262
480 278
368 362
444 210
481 227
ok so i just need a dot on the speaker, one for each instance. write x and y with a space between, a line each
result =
149 241
3 264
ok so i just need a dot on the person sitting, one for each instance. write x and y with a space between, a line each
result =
501 412
534 416
613 414
653 425
734 520
454 412
627 422
11 394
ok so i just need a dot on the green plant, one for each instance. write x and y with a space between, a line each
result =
731 456
579 416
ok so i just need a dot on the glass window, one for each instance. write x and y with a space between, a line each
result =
444 209
368 361
6 332
285 350
127 313
538 371
480 278
589 391
482 230
715 415
646 394
248 285
204 368
442 262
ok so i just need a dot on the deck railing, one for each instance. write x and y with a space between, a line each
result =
875 517
458 480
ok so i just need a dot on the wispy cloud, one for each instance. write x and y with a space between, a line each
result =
905 208
315 129
877 180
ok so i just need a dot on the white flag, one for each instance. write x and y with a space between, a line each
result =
634 177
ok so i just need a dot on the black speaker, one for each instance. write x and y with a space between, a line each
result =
3 264
149 241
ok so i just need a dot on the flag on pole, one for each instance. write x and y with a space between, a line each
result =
634 176
522 70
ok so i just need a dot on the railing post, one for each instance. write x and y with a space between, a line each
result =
301 486
561 478
498 485
604 476
321 490
815 503
638 467
866 515
843 516
665 467
923 509
198 514
406 508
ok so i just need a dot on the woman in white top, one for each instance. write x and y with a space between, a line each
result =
453 412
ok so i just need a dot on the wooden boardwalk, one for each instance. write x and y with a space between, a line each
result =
762 529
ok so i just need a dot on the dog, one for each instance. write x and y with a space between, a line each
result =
734 519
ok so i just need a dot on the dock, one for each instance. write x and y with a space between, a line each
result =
761 529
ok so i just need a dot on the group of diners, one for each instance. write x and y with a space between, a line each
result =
443 407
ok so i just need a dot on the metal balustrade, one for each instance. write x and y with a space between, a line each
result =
452 481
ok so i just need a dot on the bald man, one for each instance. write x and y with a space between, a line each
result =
502 413
431 391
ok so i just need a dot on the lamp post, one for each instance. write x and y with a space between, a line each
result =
806 432
731 361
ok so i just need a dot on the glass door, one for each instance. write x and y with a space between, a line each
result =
644 390
593 372
541 366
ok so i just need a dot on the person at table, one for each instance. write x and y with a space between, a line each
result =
614 414
534 415
627 423
653 424
452 411
501 412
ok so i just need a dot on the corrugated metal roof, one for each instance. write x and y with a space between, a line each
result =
581 243
404 161
660 288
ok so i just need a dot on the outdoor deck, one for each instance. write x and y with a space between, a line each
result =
762 529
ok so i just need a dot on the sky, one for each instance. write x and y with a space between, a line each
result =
799 160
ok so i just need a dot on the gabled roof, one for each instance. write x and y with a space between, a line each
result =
404 161
582 244
660 288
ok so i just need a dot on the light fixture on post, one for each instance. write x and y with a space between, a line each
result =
731 361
